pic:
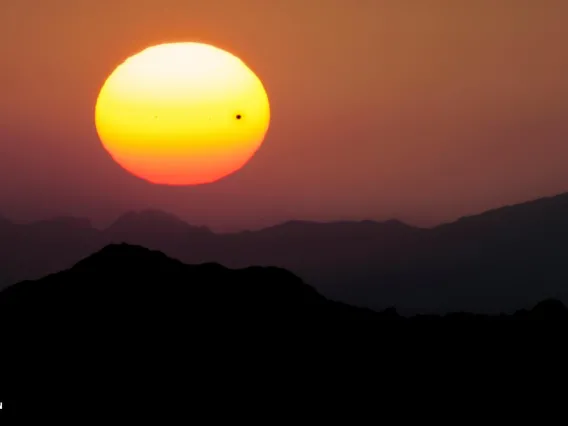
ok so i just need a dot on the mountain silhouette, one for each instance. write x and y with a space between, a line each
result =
152 222
123 281
502 260
122 284
140 309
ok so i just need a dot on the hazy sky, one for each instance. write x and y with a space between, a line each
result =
421 110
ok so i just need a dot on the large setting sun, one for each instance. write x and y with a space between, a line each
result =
182 114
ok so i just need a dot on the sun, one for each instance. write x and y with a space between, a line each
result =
182 114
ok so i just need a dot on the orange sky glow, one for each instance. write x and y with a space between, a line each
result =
423 111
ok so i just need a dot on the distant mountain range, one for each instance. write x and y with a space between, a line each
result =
498 261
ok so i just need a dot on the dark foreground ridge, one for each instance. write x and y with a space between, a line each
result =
123 283
126 284
133 331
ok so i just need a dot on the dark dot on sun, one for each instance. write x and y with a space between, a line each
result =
239 116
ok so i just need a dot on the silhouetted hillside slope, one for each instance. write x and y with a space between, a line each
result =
130 286
123 282
501 260
30 251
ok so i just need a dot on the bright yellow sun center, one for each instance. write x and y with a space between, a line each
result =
182 114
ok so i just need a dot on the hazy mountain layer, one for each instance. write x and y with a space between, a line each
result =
500 260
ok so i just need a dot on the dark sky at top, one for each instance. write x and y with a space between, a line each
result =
416 109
